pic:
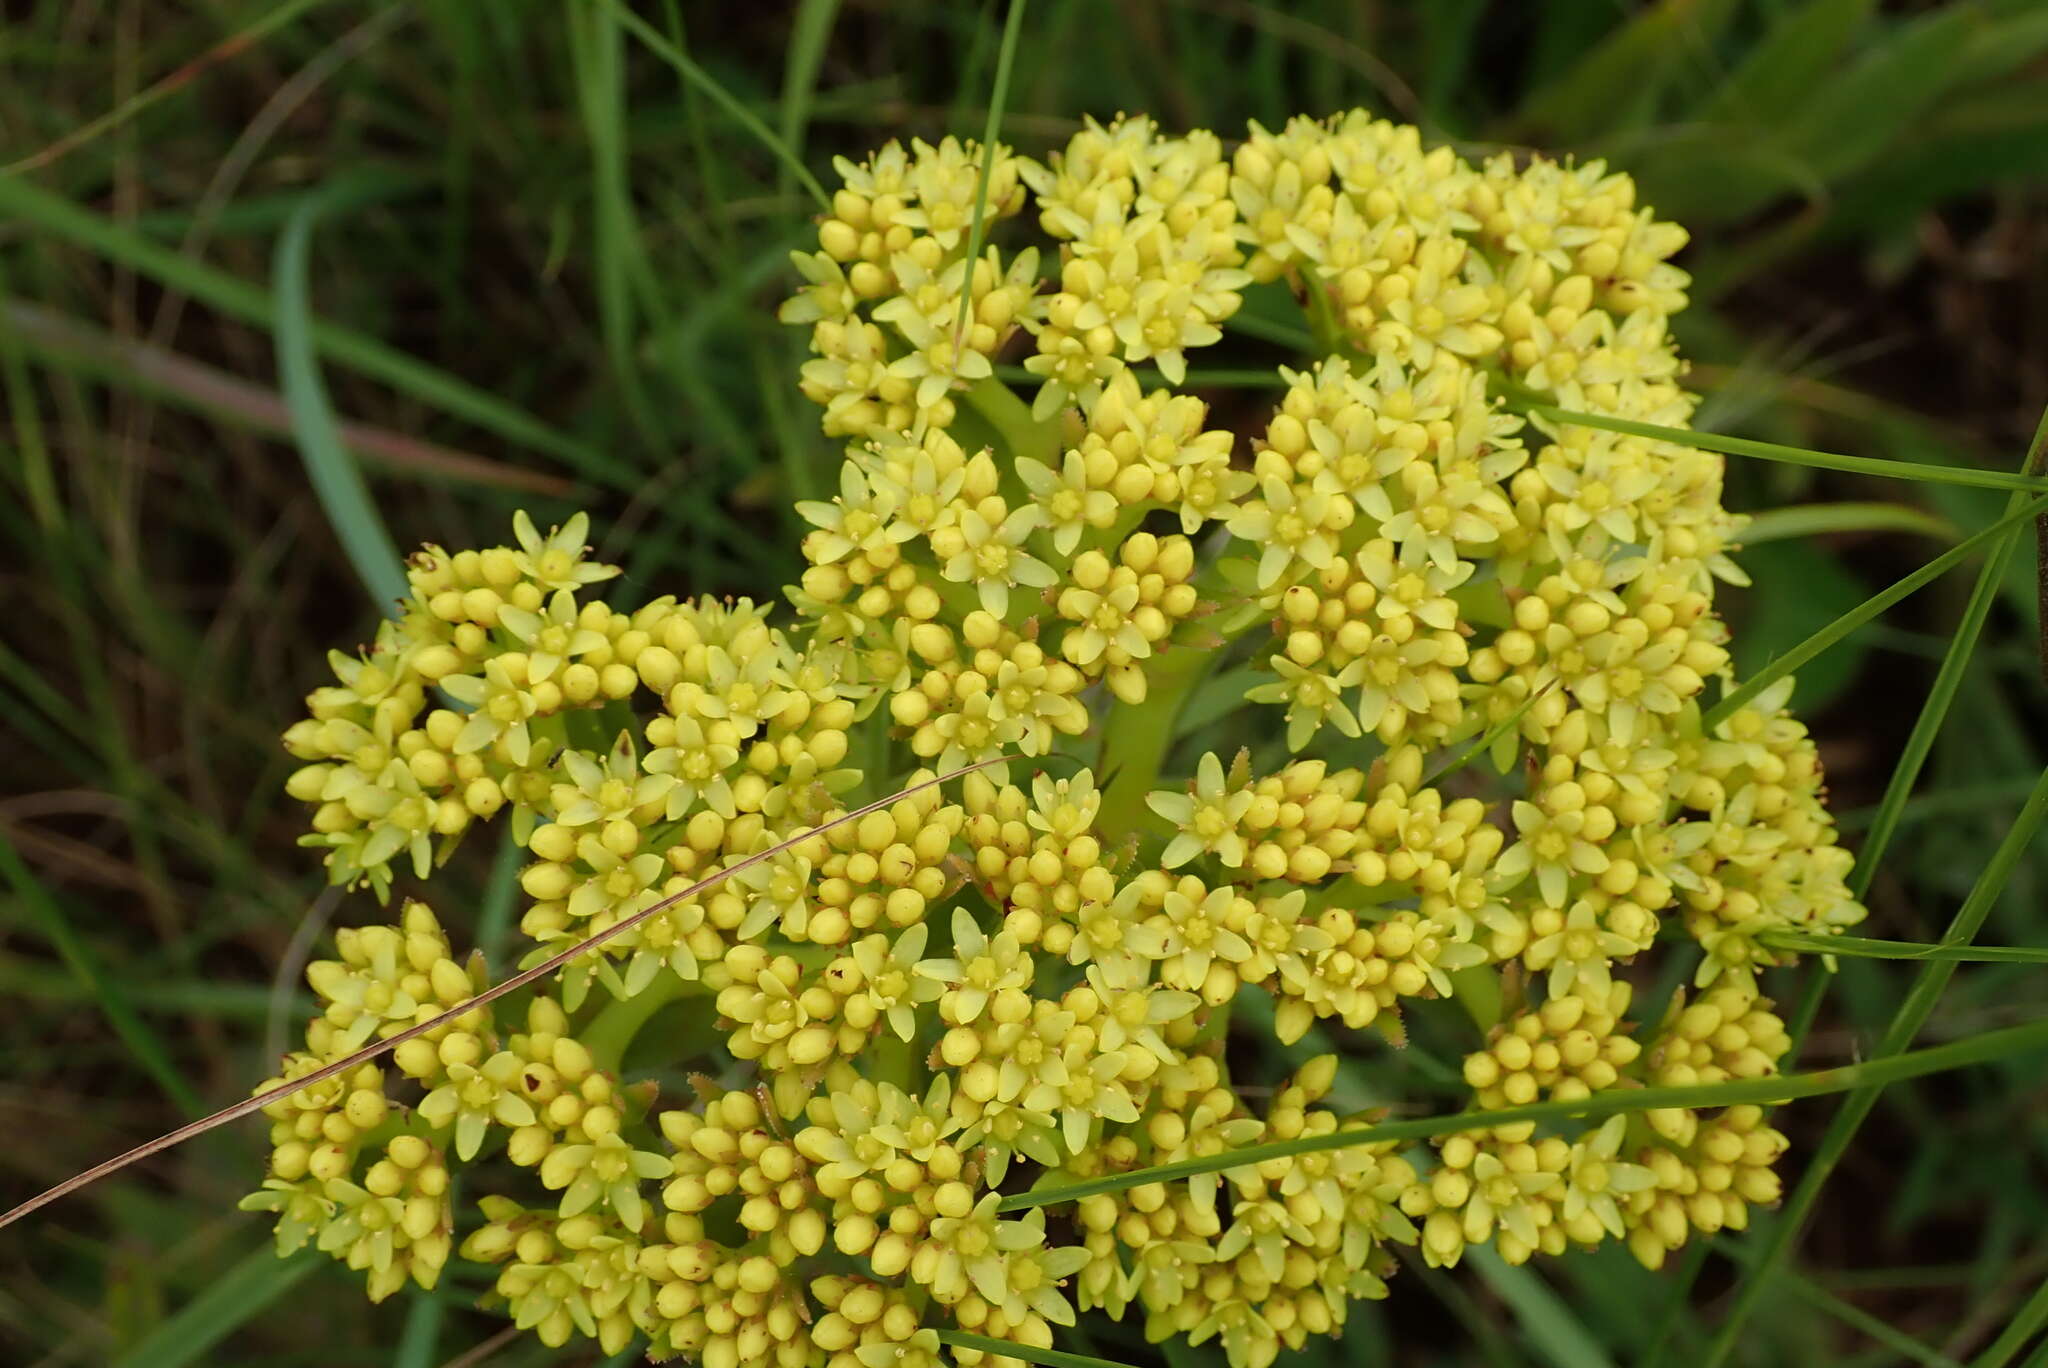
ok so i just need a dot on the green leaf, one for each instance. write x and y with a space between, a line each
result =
234 1299
1618 83
337 479
809 34
1804 45
1973 142
1850 120
1954 662
2002 47
1006 58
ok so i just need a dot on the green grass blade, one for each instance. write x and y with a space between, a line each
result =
1272 330
809 34
1006 56
1485 741
1857 947
180 78
337 479
1620 79
1816 520
1053 1358
1772 451
1912 1015
1540 1314
1868 1075
1852 1316
2031 1320
1849 119
235 1298
1954 662
1848 622
595 59
63 220
420 1341
142 1042
1801 47
34 473
651 38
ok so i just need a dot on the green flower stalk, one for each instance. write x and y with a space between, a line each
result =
895 1023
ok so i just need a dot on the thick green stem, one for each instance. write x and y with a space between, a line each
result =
1020 433
1137 736
610 1033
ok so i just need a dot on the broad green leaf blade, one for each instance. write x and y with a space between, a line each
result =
1618 83
1540 1314
238 1297
1850 120
1803 45
337 479
1765 623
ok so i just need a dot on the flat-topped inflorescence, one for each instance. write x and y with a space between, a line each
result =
892 1024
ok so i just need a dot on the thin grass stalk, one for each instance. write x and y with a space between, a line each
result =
520 980
1912 1015
1791 455
1757 1091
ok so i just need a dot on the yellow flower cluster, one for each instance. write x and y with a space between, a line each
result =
1477 656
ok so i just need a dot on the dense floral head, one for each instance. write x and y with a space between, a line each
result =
1474 653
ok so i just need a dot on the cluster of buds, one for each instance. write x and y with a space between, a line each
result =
1476 651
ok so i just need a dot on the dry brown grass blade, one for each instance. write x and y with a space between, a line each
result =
520 980
234 45
198 385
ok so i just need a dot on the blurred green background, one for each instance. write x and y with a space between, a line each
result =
535 267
